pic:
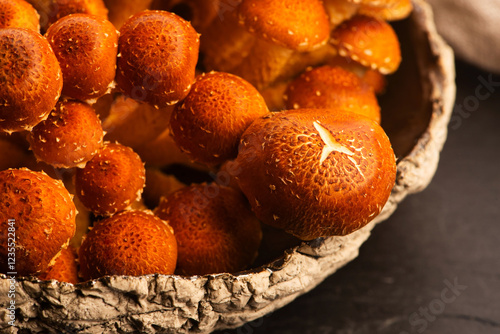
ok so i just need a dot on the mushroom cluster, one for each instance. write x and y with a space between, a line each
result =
164 136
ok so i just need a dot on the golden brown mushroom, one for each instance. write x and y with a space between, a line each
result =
209 122
316 173
86 47
18 14
215 230
370 41
329 87
39 213
158 52
31 79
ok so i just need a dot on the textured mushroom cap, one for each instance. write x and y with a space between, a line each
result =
397 11
18 14
111 181
43 215
329 87
129 243
158 52
86 47
294 24
64 268
209 122
31 79
315 172
69 137
369 41
215 230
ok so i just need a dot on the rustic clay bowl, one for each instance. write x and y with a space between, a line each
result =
416 111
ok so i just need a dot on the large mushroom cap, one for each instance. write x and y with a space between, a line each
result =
316 172
294 24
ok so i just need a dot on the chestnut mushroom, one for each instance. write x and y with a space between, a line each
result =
111 181
370 41
31 79
41 213
329 87
209 122
86 47
215 230
158 52
69 137
316 172
280 28
128 243
18 14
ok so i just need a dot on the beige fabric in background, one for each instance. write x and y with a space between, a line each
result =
472 28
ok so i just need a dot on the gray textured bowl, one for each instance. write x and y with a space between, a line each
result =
416 112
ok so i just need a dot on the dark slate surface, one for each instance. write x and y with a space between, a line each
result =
434 266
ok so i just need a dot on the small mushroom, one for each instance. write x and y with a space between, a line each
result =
40 213
31 79
86 47
209 122
215 230
329 87
128 243
18 14
69 137
369 41
111 181
316 172
158 52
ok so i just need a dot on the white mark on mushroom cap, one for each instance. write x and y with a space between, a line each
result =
330 144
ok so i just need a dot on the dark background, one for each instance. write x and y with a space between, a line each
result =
434 265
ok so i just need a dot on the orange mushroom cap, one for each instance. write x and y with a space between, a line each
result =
215 230
316 172
31 79
111 181
332 88
64 268
128 243
369 41
209 122
69 137
293 24
86 47
18 14
158 52
41 212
